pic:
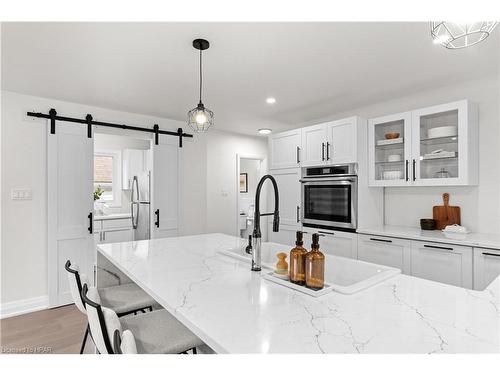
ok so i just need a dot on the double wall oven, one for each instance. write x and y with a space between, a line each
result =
330 197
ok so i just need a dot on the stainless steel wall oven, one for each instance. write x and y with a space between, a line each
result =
330 197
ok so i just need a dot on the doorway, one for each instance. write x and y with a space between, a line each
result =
249 172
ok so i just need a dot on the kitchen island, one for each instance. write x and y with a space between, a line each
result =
234 310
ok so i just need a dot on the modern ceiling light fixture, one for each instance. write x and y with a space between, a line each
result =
455 35
270 100
200 118
265 131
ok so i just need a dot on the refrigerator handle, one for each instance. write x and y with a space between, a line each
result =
135 219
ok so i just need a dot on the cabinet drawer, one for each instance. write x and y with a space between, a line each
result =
116 223
486 267
387 251
449 264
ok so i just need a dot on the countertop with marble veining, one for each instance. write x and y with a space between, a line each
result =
234 310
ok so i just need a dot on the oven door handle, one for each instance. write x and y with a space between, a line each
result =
333 181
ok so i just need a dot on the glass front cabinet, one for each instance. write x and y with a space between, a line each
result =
426 147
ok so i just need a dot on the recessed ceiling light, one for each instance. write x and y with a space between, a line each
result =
265 131
271 100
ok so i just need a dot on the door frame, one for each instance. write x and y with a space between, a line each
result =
263 171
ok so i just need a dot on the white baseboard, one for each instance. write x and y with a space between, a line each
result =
23 306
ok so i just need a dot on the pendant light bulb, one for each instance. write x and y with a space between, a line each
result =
200 118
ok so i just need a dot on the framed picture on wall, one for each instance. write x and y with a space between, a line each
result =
243 182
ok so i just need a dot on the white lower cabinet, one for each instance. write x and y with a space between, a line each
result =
486 267
449 264
343 244
387 251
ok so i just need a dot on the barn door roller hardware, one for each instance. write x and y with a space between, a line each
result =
89 121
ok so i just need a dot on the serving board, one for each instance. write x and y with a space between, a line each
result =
446 214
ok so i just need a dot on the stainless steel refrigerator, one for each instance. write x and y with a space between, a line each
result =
140 206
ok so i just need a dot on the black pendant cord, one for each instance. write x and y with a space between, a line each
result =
201 76
88 121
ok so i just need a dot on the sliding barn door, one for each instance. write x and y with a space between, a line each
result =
70 202
165 195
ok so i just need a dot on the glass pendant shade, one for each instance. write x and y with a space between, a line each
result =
455 35
200 118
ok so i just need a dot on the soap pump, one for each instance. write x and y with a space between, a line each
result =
298 261
315 265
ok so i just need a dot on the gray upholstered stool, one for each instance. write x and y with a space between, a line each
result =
152 333
124 299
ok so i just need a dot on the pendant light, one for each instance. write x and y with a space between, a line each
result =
454 35
200 118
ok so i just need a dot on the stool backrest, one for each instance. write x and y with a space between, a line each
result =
99 319
75 284
124 343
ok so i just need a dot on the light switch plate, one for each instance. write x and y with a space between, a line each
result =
21 194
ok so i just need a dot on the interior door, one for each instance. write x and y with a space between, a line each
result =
165 192
70 165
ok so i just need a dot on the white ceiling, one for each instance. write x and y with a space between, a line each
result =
313 69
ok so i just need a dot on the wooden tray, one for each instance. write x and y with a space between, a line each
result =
271 276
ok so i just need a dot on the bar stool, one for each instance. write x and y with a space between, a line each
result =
124 299
154 332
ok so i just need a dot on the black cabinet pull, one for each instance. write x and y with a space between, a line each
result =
491 254
439 247
327 233
327 151
380 240
91 223
406 170
414 170
298 214
157 222
298 154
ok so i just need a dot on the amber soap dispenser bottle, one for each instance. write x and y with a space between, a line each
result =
298 261
315 265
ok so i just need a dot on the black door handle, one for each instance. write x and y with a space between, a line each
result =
157 222
323 151
298 213
491 254
91 223
414 170
439 247
406 171
327 151
298 156
380 240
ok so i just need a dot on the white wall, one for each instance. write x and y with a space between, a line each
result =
252 168
24 223
480 205
222 181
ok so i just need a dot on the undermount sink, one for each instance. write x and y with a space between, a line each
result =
345 275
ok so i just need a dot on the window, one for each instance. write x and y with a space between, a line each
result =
107 177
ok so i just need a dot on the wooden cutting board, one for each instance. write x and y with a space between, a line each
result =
446 214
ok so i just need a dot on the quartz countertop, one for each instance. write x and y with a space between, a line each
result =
484 240
235 310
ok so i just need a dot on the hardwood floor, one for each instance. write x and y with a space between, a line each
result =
58 330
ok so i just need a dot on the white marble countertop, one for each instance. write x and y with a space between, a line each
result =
483 240
234 310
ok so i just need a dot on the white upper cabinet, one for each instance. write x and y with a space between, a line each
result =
329 143
425 147
389 159
341 145
314 145
285 150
